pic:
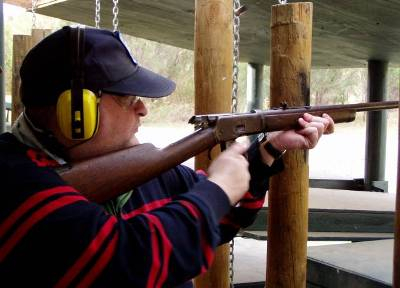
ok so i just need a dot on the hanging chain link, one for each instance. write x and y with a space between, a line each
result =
115 12
97 14
231 261
237 10
236 40
34 5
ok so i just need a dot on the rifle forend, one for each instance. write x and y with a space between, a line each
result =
107 176
231 126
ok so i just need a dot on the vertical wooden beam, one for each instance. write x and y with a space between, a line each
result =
375 146
291 34
213 85
21 46
396 249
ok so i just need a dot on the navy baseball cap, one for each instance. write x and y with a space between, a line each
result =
107 66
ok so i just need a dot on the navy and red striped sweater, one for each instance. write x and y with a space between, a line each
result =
167 232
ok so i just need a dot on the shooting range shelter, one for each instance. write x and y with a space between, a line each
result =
345 34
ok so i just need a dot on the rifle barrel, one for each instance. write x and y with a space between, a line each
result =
360 107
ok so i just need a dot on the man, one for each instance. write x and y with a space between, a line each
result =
161 234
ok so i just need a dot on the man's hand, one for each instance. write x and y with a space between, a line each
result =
230 172
312 128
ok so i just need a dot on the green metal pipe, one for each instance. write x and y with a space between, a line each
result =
255 75
375 148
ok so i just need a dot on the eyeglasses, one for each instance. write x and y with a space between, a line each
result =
127 101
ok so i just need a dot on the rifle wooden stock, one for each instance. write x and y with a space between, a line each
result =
107 176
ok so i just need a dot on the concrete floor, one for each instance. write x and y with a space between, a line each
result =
370 261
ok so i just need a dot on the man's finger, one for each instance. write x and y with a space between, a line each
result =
238 148
331 126
310 135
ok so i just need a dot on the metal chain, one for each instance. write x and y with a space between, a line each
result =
34 5
115 12
97 15
232 259
236 40
237 9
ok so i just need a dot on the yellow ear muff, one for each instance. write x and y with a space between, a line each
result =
89 119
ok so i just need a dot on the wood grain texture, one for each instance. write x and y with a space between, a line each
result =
213 86
21 46
291 33
346 33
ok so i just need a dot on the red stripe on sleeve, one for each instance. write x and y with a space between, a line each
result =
227 221
88 254
146 208
41 159
205 247
201 172
100 264
192 209
41 213
256 204
29 203
208 253
247 196
155 266
167 248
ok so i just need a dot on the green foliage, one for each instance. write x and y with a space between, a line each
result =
337 86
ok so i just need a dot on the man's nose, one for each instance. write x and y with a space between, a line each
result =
141 108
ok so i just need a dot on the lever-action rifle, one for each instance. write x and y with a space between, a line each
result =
107 176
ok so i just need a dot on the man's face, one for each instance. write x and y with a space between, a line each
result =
119 122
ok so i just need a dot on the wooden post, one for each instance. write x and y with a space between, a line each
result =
21 46
213 85
396 249
291 29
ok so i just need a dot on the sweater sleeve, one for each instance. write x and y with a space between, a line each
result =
44 220
245 212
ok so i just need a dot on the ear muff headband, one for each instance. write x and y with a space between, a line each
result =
77 109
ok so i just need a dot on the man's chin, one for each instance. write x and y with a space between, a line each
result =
133 142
